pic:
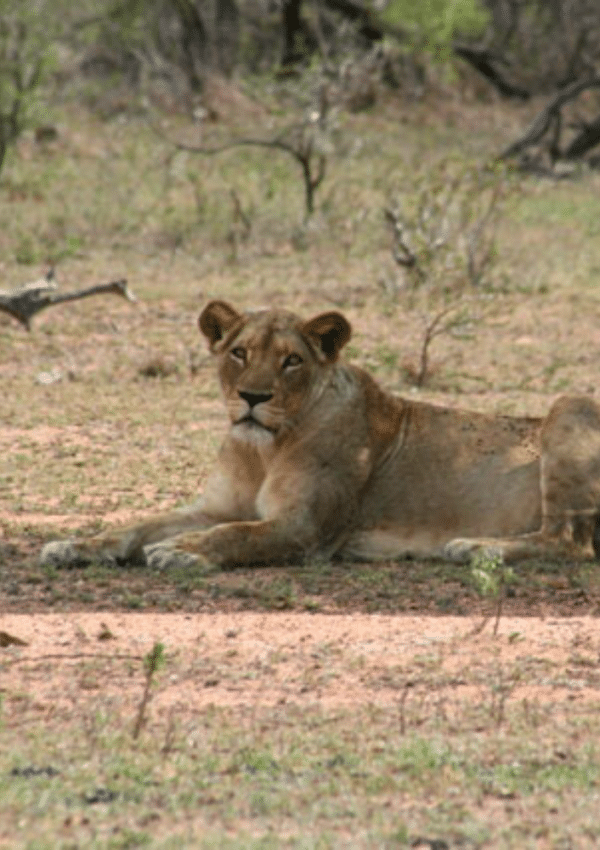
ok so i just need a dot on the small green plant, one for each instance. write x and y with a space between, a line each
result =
153 661
279 594
491 577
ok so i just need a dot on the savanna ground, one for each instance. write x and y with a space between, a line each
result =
314 705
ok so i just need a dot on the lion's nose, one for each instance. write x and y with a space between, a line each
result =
252 399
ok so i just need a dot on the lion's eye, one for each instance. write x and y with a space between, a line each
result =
292 360
238 354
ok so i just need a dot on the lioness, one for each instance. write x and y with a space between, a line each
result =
320 460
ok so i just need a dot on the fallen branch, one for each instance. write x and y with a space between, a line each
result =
25 301
549 121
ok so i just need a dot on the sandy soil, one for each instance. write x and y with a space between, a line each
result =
251 660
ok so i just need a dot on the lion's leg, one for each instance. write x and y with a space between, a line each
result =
300 514
570 474
234 543
570 491
229 494
574 535
534 545
126 544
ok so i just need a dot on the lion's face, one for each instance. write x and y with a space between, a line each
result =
270 364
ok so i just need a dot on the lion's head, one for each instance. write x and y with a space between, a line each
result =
271 363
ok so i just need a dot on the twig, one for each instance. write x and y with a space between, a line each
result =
75 656
500 601
402 251
402 705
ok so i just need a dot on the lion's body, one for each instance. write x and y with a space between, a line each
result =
320 460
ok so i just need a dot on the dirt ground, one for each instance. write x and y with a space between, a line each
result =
252 661
333 635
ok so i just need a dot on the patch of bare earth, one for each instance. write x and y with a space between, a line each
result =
252 661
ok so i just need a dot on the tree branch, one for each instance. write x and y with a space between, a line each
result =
547 119
25 301
484 62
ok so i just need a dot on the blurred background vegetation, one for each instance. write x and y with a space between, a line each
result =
175 54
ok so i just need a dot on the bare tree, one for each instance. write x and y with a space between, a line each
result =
227 34
534 46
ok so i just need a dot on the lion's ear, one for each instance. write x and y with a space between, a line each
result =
331 332
216 320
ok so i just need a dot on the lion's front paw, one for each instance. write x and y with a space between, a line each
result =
462 550
64 554
67 554
59 553
166 556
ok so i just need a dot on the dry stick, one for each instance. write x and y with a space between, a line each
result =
402 705
402 252
23 303
73 656
475 267
239 214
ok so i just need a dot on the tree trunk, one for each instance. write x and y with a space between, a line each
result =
227 32
195 43
293 33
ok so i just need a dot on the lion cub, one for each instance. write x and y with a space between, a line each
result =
320 461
